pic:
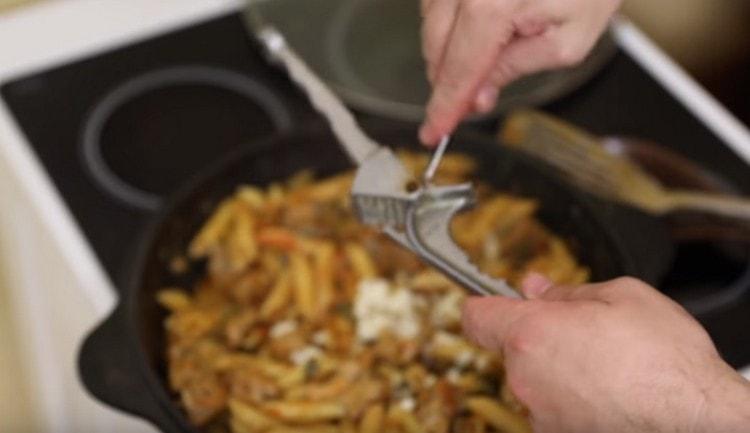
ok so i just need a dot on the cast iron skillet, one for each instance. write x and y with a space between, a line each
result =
122 362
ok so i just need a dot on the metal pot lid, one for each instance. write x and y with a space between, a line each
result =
369 51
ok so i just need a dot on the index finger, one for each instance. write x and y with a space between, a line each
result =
482 28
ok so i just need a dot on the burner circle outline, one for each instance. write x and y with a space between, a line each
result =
91 151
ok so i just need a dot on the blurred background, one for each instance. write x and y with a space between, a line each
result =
709 38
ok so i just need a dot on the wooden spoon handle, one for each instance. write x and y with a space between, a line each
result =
733 207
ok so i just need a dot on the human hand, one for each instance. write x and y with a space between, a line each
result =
473 48
610 357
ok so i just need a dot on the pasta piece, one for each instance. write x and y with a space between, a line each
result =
210 235
457 165
242 245
277 237
236 328
497 416
323 254
275 370
361 394
249 418
272 262
249 385
193 323
251 196
361 262
330 189
305 412
275 195
278 298
404 420
472 424
323 428
236 426
302 279
174 299
317 391
430 281
347 426
294 378
300 179
451 348
204 397
373 419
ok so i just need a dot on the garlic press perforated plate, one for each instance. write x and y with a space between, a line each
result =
417 215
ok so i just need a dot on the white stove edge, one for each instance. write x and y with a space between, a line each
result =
68 28
683 87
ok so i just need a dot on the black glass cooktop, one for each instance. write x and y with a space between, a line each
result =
120 131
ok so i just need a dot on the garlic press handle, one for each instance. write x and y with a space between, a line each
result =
428 234
356 143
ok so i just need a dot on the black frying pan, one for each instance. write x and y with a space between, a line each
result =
122 362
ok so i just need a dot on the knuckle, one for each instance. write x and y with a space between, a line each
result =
480 8
504 73
518 343
527 335
474 6
625 287
449 83
629 283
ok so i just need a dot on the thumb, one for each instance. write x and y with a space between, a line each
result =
488 320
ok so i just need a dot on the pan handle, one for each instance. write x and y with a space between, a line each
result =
108 368
698 226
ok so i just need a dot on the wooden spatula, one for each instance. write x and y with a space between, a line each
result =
585 163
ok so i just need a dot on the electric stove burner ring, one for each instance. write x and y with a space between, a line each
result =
91 146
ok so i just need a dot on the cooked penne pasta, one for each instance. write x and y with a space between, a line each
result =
210 235
249 418
306 321
280 296
497 415
305 412
404 420
302 281
360 260
373 419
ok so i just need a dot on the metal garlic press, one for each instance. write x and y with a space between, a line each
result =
416 214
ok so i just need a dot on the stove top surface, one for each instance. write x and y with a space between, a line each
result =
119 132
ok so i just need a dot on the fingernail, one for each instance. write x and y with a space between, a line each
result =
486 99
534 285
